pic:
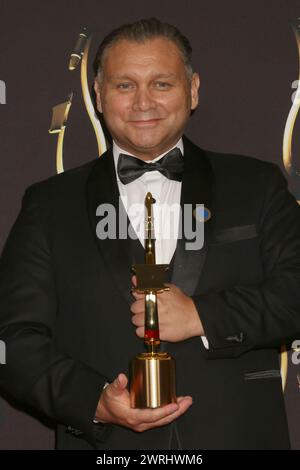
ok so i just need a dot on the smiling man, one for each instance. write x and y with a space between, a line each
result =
146 94
65 294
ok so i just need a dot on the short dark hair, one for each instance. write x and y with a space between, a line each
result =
141 31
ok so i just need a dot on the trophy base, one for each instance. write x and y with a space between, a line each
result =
152 380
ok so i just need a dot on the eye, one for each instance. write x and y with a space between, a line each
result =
162 85
124 86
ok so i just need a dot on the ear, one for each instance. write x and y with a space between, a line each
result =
195 85
98 96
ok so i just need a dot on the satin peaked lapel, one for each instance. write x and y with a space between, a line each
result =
197 188
102 188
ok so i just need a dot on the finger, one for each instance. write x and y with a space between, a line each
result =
138 320
180 399
137 308
119 384
122 380
140 331
137 294
133 280
155 414
183 406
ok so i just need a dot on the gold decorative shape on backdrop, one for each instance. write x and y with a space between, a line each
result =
77 53
289 165
81 53
290 122
283 365
60 112
58 125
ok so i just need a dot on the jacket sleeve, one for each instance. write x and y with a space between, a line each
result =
36 373
267 314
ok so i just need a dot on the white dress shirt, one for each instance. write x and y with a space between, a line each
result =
166 209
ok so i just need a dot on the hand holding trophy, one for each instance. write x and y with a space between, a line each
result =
152 373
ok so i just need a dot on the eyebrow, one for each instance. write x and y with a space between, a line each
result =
127 77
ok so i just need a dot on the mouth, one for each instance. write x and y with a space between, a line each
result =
145 123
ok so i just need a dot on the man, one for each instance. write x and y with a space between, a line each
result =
67 316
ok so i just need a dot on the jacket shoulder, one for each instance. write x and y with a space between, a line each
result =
68 181
238 163
232 163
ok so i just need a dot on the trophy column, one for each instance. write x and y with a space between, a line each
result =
152 373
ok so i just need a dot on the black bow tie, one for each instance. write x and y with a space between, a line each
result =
170 165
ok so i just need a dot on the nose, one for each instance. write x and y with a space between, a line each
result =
143 101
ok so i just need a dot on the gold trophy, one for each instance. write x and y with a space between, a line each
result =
152 373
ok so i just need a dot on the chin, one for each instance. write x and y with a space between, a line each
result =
147 143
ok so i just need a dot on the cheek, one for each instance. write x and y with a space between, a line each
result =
115 107
178 105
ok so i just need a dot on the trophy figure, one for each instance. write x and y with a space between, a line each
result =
152 373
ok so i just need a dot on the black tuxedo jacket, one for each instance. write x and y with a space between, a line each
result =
65 305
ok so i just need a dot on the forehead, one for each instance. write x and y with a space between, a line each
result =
155 54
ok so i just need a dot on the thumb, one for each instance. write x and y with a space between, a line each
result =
120 383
